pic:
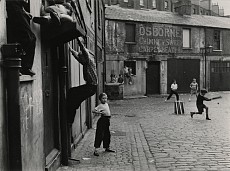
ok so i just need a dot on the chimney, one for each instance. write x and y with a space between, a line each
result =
221 12
215 9
136 4
184 7
108 2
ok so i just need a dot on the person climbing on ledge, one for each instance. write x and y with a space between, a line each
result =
19 31
76 95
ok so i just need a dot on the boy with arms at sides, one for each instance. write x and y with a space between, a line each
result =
200 105
102 130
194 88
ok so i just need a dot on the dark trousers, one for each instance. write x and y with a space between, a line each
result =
19 31
75 96
102 132
171 93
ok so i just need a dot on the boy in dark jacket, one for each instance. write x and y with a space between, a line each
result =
200 105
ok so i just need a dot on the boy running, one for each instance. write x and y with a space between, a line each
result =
200 105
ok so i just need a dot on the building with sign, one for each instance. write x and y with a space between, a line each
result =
159 46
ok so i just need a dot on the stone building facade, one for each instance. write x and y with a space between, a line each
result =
161 46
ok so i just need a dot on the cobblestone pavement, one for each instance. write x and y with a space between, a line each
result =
148 136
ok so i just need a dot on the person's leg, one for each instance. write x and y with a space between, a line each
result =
177 96
170 95
75 96
200 110
29 47
19 31
207 117
193 113
107 137
98 136
190 96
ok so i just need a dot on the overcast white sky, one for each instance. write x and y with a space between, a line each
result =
223 4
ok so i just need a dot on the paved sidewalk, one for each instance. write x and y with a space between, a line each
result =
132 151
148 136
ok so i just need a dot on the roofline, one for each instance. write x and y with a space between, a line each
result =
168 23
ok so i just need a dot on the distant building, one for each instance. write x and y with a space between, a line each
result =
161 46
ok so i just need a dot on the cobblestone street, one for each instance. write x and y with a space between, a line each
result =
148 136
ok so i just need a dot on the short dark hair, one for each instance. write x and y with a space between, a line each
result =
101 95
203 91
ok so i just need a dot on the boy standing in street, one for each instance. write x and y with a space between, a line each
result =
194 88
174 88
200 105
102 131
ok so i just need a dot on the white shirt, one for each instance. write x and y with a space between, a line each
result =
103 108
174 86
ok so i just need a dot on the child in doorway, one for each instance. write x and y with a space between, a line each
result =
174 88
102 131
194 88
200 105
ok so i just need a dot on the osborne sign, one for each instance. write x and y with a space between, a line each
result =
159 38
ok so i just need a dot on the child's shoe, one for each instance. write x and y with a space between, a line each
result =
191 113
109 150
95 153
208 119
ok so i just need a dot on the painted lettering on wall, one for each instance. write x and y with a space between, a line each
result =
159 38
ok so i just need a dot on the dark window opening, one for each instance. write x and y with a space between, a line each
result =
130 32
131 67
216 45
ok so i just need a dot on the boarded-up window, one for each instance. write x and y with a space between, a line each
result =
130 32
186 38
216 45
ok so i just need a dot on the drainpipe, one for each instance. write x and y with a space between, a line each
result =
103 40
205 58
12 63
95 51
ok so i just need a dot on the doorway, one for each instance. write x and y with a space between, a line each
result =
50 103
153 78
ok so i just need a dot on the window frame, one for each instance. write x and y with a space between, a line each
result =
128 31
189 42
216 40
131 64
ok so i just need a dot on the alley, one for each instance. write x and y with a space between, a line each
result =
147 135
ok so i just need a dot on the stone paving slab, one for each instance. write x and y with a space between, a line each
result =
148 136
